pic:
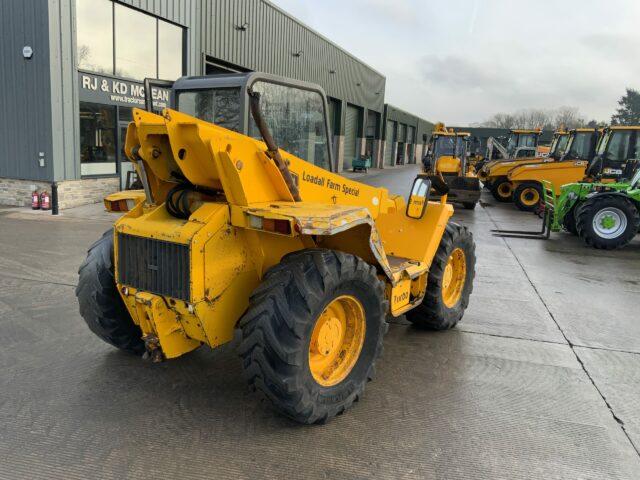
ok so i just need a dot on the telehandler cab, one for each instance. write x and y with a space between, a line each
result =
234 233
447 161
527 180
495 174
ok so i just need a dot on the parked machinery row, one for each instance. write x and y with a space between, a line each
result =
591 188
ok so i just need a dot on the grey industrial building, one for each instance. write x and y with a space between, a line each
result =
71 71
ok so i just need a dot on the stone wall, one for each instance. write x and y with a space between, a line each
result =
71 193
17 193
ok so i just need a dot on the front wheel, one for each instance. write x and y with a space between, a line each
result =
502 190
527 196
313 332
101 305
450 281
607 221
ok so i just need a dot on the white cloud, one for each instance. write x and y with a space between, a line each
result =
460 61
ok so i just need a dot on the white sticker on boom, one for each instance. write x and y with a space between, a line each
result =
375 201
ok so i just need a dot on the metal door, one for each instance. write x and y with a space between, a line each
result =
350 136
388 147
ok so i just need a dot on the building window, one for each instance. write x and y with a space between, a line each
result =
136 46
97 139
95 35
217 105
143 46
169 51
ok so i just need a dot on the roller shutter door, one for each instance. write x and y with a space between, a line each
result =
388 146
350 136
411 140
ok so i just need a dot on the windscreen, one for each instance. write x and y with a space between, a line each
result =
217 105
580 148
449 146
296 118
619 146
561 146
527 140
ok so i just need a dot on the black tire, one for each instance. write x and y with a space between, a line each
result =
497 189
277 328
526 192
469 205
589 210
569 222
101 306
433 313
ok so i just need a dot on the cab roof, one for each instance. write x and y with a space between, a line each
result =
586 130
525 131
625 127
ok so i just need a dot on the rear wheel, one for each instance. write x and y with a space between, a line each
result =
527 196
450 281
607 221
313 332
569 222
502 190
101 306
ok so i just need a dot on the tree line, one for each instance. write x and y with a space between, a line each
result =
627 113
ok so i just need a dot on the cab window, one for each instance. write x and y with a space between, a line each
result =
580 147
618 146
216 105
296 119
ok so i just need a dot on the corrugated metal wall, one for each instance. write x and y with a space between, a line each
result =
25 118
270 42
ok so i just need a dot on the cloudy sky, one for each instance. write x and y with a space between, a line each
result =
460 61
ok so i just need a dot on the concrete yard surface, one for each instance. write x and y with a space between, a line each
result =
539 381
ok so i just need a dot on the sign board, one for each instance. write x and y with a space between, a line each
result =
114 91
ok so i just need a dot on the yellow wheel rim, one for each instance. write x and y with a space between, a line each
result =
530 197
505 190
455 274
337 340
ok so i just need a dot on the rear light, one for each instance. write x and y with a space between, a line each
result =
280 226
123 205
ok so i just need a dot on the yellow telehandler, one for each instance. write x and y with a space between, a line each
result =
235 233
528 180
447 162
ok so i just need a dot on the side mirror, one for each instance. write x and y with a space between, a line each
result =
418 198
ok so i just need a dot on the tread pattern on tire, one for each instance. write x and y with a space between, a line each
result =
569 222
432 313
584 215
100 303
274 347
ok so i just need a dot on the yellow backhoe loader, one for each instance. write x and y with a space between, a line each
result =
519 144
447 162
527 181
495 174
235 233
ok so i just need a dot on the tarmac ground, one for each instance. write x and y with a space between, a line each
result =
541 379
